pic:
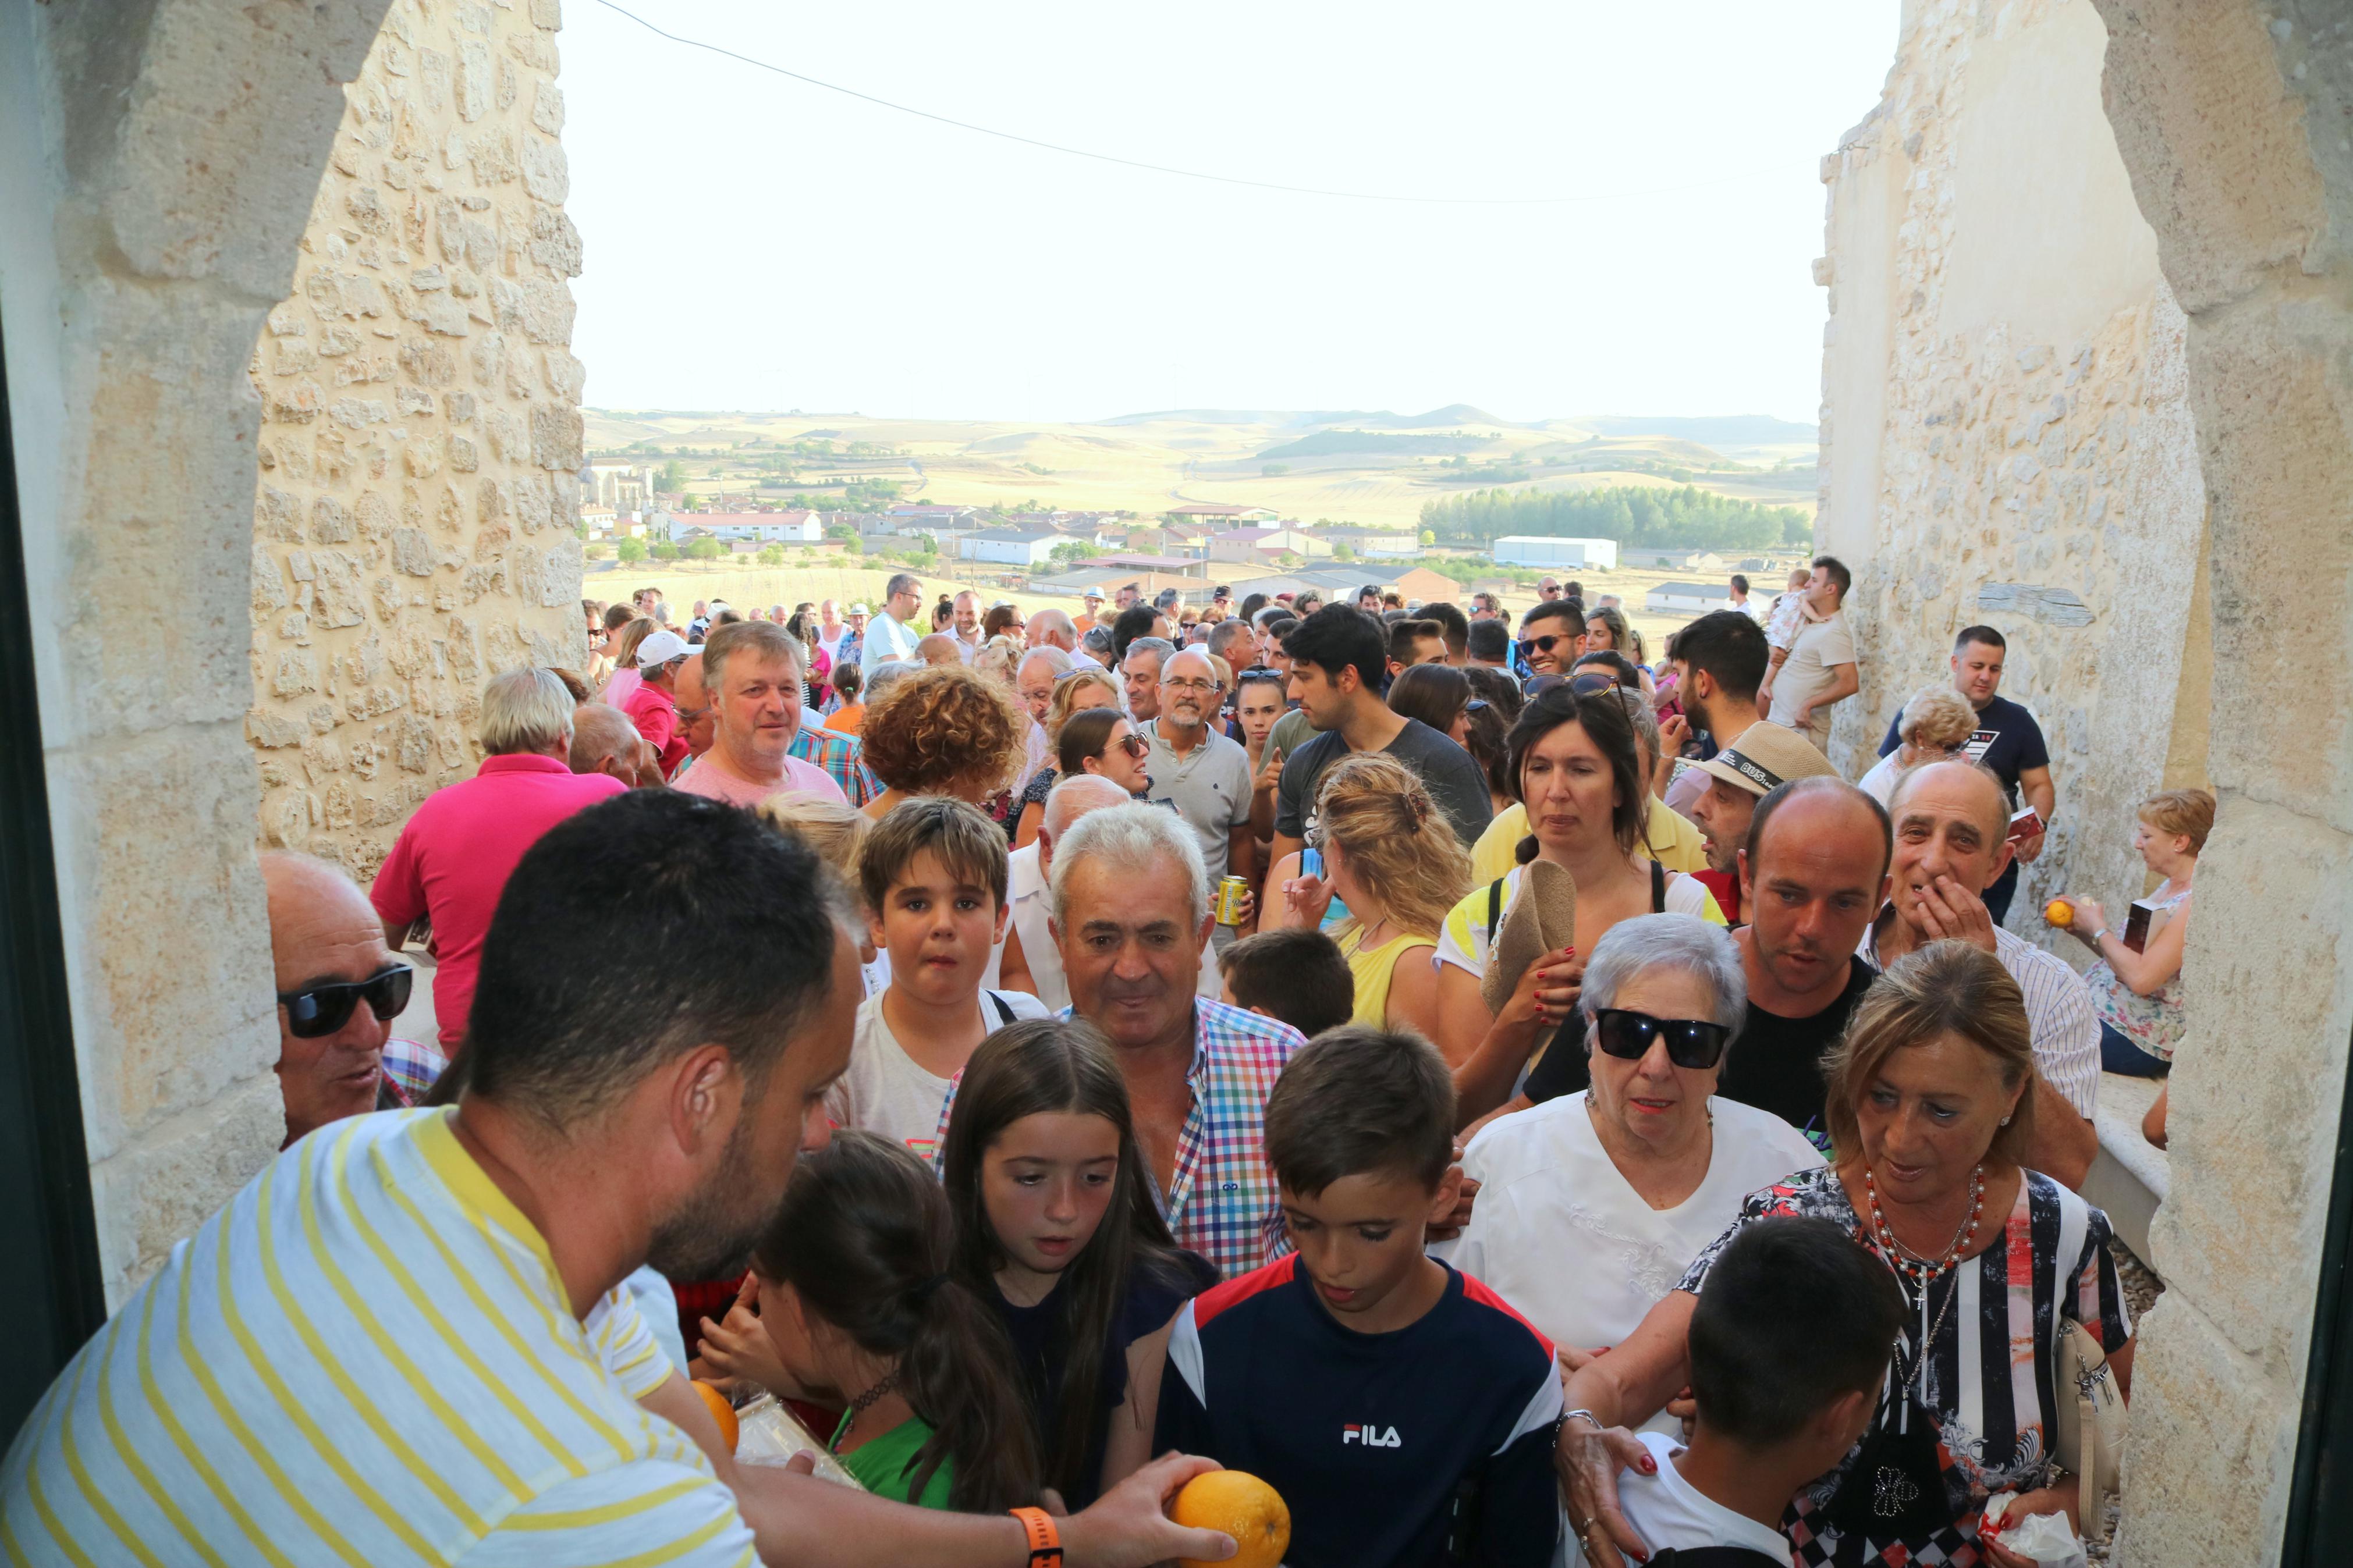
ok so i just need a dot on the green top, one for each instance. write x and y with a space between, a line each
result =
882 1464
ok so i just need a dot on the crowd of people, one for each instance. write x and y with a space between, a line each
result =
1495 1081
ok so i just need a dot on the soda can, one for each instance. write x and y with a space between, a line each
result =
1231 891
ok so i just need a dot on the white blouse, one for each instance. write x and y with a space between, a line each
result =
1565 1238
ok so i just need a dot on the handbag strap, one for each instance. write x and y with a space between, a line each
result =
2067 1366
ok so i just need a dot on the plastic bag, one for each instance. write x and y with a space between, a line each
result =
2046 1539
767 1433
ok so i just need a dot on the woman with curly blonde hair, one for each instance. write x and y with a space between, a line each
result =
1073 693
1391 858
945 730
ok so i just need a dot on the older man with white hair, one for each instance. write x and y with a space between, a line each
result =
1035 678
452 860
1053 628
1130 914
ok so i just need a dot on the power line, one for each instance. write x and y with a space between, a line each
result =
1164 168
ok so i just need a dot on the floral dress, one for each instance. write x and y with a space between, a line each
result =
2153 1022
1988 1374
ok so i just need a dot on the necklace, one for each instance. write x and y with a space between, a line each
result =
1917 1267
864 1402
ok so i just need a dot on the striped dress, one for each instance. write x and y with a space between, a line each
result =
1989 1368
365 1360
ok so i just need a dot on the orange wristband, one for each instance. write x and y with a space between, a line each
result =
1045 1537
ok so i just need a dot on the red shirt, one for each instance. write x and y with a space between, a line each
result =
655 713
1725 886
453 859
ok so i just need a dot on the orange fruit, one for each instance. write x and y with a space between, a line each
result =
721 1411
1243 1507
2058 912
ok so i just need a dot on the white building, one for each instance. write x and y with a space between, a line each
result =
1012 546
1676 560
1696 598
764 527
1543 551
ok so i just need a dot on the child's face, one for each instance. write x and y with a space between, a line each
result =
1046 1183
938 931
1360 1240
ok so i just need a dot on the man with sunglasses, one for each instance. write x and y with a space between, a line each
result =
339 989
1551 636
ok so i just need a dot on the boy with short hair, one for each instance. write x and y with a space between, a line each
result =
1296 975
934 874
1789 1350
1404 1413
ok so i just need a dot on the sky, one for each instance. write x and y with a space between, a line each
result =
755 242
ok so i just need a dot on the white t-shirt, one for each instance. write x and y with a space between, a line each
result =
1818 649
884 1090
1668 1512
1566 1239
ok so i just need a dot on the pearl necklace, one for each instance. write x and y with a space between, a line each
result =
1922 1270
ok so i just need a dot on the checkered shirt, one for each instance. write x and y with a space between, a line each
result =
838 755
410 1067
1223 1203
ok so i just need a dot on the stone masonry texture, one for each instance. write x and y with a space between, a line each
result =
420 443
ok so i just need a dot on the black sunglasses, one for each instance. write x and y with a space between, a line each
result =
322 1009
1691 1042
1546 644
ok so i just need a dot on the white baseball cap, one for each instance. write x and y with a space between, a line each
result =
659 647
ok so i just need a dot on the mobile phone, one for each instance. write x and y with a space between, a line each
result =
1311 862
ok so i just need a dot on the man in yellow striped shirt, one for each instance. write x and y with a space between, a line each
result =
377 1353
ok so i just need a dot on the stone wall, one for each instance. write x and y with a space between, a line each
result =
420 441
2006 428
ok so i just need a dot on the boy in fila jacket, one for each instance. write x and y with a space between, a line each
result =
1404 1412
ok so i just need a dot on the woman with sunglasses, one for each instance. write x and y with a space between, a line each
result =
1577 769
1102 741
1930 1120
1593 1204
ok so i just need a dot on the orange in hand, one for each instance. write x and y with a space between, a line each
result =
1243 1507
2058 912
721 1411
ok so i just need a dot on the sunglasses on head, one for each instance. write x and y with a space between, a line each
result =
1588 684
1476 705
317 1010
1691 1042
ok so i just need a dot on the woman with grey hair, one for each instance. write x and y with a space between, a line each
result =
1935 725
1593 1204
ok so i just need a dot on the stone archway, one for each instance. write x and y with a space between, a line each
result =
158 164
2232 119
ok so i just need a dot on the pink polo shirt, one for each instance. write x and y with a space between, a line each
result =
709 779
453 859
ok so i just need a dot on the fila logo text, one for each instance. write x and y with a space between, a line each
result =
1370 1437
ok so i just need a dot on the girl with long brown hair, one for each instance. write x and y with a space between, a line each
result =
858 1295
1056 1224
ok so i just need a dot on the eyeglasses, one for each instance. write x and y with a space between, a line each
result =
1691 1042
322 1009
1134 745
1190 683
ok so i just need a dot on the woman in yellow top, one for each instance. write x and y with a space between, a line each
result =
1577 769
1397 867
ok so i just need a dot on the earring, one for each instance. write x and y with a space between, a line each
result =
2005 1121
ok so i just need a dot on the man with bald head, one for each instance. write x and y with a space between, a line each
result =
1951 821
939 648
339 988
1028 960
1055 628
1196 770
605 742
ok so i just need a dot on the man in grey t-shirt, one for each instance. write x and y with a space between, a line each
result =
1204 776
1338 656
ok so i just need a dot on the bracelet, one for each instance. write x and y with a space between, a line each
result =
1598 1424
1045 1537
2098 934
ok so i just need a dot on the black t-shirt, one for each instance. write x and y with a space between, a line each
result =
1453 780
1774 1063
2008 741
1041 1344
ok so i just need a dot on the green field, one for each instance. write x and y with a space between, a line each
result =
1359 467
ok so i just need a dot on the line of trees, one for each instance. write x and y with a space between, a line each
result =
1685 516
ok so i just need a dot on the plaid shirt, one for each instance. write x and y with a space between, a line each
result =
410 1067
837 755
1223 1203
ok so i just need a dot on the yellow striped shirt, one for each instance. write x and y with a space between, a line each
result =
365 1359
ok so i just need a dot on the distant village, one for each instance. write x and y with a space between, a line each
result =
1184 547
